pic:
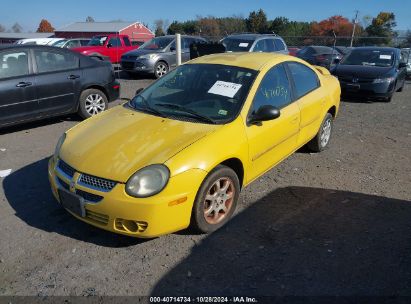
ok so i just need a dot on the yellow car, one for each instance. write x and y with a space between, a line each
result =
182 149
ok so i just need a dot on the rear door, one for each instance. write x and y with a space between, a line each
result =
115 49
185 48
57 80
17 87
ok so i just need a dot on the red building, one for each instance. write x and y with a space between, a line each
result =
136 30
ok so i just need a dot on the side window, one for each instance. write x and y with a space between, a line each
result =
13 64
186 42
279 45
273 90
48 61
115 41
72 44
260 46
305 79
127 41
84 42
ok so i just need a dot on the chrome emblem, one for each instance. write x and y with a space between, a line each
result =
72 186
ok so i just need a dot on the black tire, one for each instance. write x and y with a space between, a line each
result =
318 143
92 102
160 69
388 99
402 87
206 224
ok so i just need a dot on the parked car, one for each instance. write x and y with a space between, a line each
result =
72 43
137 43
38 41
406 54
319 55
255 43
41 81
107 46
343 50
293 51
158 55
373 72
183 148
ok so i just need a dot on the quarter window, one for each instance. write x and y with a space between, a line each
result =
279 45
260 46
13 64
305 79
274 89
48 61
127 41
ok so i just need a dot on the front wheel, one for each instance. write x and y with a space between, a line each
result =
216 200
92 102
160 69
321 140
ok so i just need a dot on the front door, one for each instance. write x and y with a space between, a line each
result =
271 141
17 87
57 80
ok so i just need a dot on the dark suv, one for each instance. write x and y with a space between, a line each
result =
41 81
255 43
158 55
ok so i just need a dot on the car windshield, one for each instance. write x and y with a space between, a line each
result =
97 41
156 43
380 58
237 45
208 93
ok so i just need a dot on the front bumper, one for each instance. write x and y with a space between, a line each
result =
139 65
368 89
166 212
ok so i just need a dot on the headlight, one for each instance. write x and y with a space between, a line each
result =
148 181
383 80
58 146
149 56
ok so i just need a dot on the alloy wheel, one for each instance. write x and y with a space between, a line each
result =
219 200
94 104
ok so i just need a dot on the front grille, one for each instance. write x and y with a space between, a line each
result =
96 183
89 196
66 169
358 80
127 65
97 218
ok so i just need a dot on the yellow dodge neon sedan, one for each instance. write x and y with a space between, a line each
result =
182 149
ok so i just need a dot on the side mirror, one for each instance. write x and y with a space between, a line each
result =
139 91
109 45
264 113
402 65
337 60
172 48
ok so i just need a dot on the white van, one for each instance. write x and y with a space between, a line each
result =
38 41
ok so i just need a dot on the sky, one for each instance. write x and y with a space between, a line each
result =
28 13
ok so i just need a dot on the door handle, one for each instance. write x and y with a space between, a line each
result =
23 84
72 77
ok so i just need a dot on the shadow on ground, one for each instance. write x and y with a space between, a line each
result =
303 241
28 192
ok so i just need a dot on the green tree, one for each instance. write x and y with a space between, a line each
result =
175 27
257 22
159 24
234 24
190 27
382 26
279 25
208 26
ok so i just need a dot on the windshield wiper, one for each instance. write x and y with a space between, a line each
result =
186 110
148 108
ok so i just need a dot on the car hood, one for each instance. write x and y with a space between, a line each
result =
117 143
360 71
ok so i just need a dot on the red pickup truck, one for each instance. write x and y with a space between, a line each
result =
107 46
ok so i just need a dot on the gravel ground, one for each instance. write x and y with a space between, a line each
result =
333 223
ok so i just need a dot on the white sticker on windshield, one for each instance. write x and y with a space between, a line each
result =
243 44
223 88
385 57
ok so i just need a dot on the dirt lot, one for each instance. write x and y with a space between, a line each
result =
334 223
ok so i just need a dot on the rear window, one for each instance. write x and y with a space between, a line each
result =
237 45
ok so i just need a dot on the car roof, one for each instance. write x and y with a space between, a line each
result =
32 46
379 48
254 61
185 36
252 36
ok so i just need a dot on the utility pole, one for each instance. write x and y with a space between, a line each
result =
353 28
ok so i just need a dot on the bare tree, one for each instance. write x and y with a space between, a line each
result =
90 19
2 28
16 28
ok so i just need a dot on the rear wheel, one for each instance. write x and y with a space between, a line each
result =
216 200
321 140
92 102
160 69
